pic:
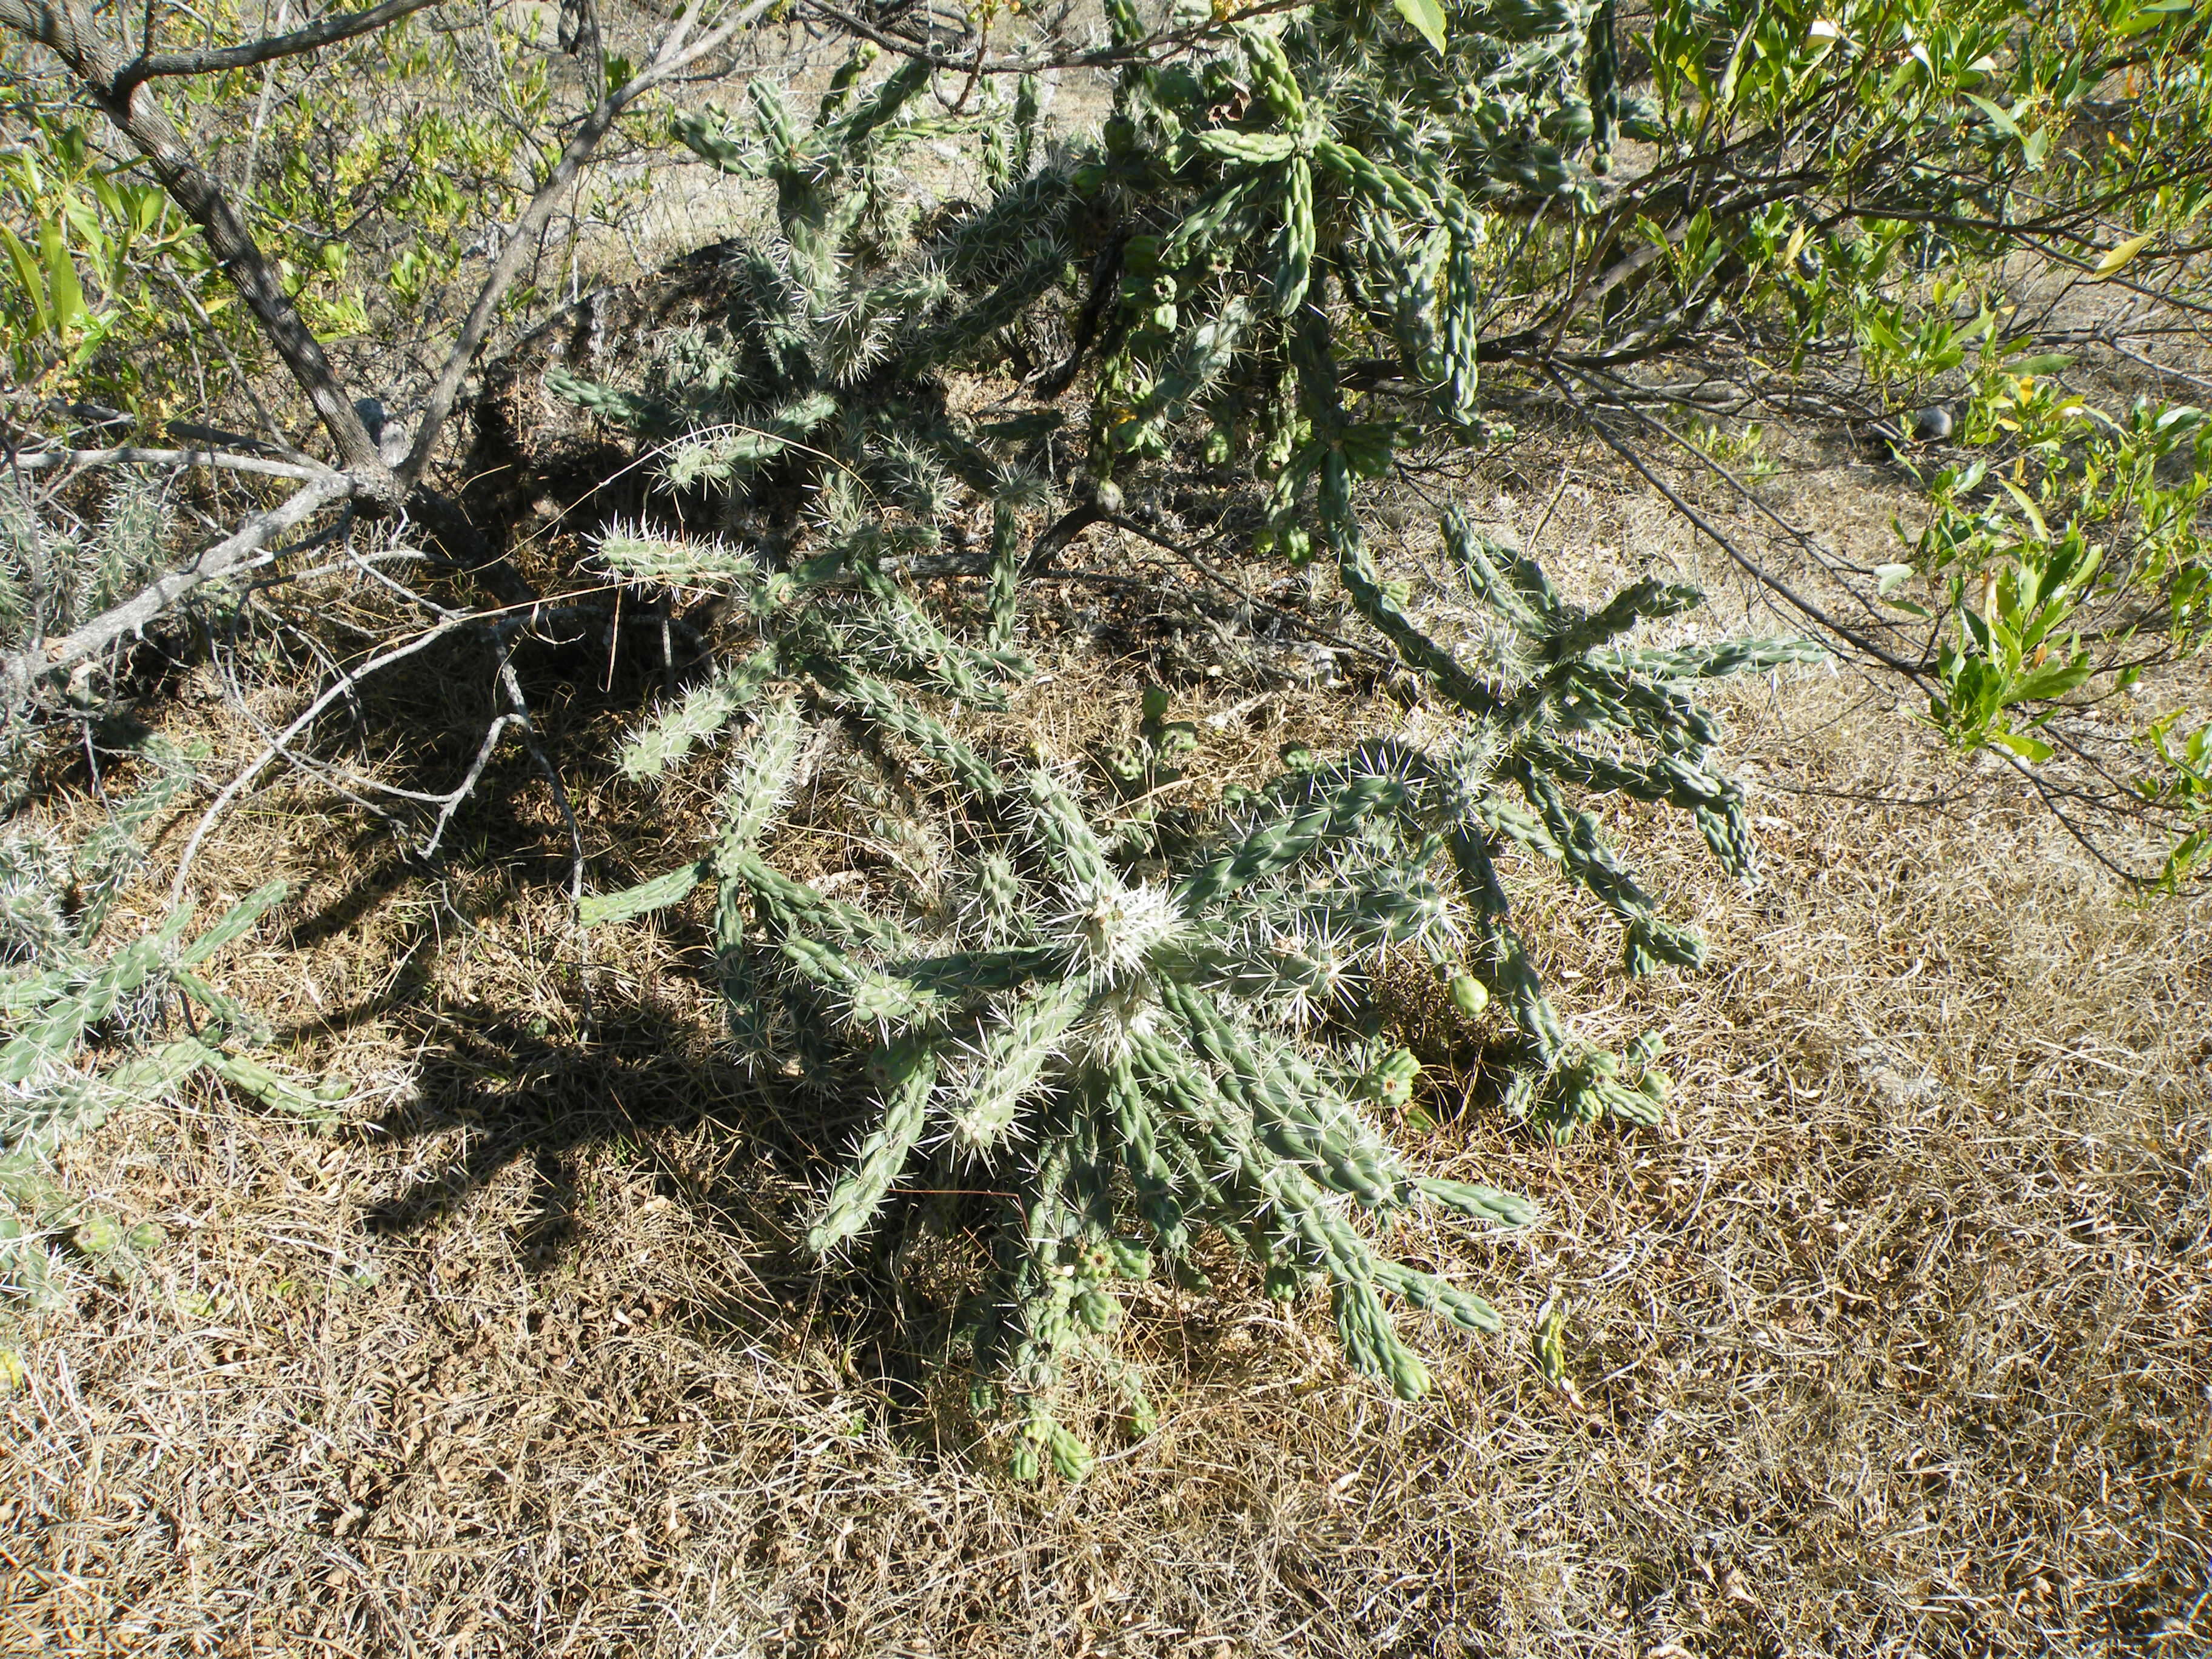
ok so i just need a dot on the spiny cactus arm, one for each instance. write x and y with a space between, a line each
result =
1287 1105
224 1011
1480 1202
1381 183
1587 1088
1646 600
977 675
910 1072
1708 662
20 992
787 905
1006 572
1282 841
1375 602
269 1087
1211 223
965 975
1509 582
1063 833
885 706
1372 1343
696 717
1587 859
853 132
867 999
720 449
49 1042
1203 353
1295 241
758 779
1504 962
1045 258
1324 1240
604 910
1432 1295
233 923
627 409
1115 1096
985 1104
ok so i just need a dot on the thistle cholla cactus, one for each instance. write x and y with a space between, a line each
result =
1562 706
1136 1032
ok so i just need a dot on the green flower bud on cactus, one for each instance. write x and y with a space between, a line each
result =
97 1237
1131 1261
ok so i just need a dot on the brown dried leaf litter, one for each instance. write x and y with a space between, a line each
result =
1890 1344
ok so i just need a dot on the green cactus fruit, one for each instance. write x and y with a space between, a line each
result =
1024 1464
1391 1080
1657 1084
1099 1310
1283 1281
1144 1417
1469 995
1071 1458
145 1237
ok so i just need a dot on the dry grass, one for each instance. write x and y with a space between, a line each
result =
1889 1343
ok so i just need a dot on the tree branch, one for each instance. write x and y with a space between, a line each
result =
672 58
238 551
128 455
328 32
64 27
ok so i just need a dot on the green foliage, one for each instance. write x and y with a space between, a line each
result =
366 180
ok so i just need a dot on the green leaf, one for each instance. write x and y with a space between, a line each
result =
1888 578
2113 263
29 275
68 297
1427 17
2028 748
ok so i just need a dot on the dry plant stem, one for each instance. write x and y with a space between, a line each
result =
39 460
1705 526
344 686
242 549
